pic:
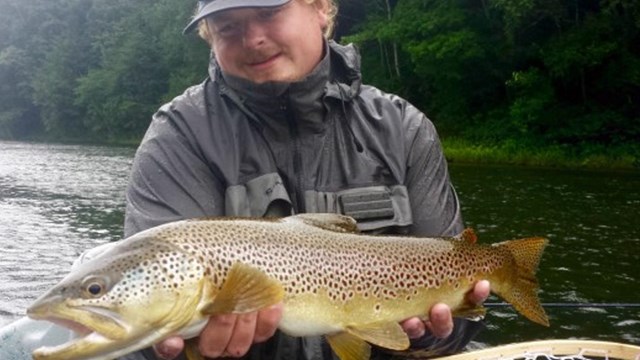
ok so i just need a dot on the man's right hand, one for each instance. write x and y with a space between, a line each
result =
228 335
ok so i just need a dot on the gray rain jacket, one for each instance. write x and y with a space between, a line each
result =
228 147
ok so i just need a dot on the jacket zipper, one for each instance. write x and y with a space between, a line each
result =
294 141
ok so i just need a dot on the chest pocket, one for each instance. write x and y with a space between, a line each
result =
258 197
375 208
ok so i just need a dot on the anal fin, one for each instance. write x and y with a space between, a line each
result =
349 347
389 335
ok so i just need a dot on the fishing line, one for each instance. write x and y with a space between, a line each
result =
573 305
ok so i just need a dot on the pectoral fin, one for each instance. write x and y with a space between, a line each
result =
349 347
246 289
388 335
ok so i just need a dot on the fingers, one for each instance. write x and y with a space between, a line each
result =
216 335
267 324
243 334
480 292
440 318
414 327
233 335
440 322
169 348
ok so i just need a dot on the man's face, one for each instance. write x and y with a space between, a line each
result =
269 44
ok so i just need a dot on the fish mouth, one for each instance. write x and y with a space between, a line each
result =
78 328
94 327
80 318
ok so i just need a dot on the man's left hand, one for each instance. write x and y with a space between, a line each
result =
440 322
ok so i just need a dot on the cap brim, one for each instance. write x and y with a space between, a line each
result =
221 5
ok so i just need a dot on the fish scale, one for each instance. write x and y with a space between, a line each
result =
352 288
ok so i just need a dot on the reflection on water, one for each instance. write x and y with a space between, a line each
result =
57 200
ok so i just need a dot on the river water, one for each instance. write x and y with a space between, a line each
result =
58 200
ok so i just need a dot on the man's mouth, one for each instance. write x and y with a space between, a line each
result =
263 62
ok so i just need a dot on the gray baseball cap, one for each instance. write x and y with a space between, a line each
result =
208 7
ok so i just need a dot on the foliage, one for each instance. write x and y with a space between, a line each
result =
543 73
87 69
538 72
518 153
16 111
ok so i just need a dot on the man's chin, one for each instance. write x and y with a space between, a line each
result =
262 78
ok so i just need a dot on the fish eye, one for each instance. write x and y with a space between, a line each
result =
94 287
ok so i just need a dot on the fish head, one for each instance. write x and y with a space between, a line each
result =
126 299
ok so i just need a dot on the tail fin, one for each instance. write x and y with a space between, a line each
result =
522 289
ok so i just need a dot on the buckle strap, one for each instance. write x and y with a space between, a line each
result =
370 205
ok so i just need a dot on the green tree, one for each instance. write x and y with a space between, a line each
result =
531 71
18 117
145 61
448 59
68 57
537 72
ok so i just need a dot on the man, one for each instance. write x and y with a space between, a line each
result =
283 125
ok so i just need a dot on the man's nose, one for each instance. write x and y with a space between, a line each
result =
254 34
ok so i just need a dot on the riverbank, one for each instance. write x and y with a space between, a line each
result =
465 151
514 153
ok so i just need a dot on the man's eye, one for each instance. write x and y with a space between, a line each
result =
227 29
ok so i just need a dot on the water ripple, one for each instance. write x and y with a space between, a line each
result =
56 201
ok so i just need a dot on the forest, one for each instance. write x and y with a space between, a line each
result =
554 78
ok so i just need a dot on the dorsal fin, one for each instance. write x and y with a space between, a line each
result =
327 221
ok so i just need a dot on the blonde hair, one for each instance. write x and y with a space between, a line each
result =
330 5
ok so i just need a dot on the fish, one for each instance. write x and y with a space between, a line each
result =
333 281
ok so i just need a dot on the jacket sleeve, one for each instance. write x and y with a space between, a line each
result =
170 179
436 212
434 203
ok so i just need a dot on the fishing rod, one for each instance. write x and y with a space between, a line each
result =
573 305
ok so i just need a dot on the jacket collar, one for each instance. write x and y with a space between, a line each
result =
270 97
337 75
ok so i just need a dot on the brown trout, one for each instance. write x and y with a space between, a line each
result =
352 288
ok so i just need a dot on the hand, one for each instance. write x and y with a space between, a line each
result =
228 335
440 322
